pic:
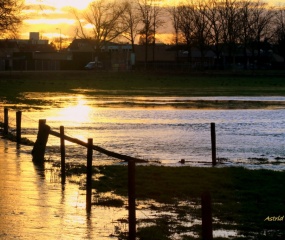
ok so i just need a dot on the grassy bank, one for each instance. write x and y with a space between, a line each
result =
142 84
13 87
241 199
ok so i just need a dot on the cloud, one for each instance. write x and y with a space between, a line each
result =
50 21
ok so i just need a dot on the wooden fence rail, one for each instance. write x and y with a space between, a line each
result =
98 149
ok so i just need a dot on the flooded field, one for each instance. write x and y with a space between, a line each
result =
35 205
251 137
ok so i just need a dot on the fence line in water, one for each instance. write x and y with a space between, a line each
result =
38 153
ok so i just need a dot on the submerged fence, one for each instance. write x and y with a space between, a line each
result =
38 156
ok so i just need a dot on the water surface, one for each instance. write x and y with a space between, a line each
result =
34 204
251 137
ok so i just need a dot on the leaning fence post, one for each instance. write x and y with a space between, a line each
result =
18 126
62 153
38 151
132 199
213 141
207 231
89 174
6 121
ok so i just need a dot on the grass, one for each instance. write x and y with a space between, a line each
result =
132 83
14 86
241 199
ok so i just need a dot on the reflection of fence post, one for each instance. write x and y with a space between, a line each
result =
89 174
6 121
207 232
132 199
213 141
18 126
62 153
38 151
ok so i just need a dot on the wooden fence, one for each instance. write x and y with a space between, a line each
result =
38 154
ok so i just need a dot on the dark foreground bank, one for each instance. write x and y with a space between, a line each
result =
250 204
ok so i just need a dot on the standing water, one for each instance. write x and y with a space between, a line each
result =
166 135
33 202
34 205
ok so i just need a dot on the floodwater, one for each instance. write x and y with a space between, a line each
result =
246 137
33 203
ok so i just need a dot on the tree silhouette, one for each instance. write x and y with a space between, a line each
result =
101 22
10 17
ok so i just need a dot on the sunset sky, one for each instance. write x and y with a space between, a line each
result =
52 17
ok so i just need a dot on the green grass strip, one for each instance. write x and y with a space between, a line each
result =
242 199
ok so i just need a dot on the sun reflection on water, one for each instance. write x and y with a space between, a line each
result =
78 112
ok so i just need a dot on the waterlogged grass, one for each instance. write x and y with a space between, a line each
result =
19 88
13 86
241 199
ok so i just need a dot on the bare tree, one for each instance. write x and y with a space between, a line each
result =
237 23
261 27
201 28
151 19
247 22
10 17
279 30
186 25
157 23
146 33
131 20
174 16
230 11
216 29
101 22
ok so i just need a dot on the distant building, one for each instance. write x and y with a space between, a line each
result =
17 54
35 54
114 56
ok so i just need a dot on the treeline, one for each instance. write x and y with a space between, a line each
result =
229 26
225 25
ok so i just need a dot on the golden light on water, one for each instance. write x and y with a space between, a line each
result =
78 112
73 117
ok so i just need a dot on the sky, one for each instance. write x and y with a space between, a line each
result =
53 18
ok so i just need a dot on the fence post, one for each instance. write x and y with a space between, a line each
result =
62 153
132 199
207 231
6 121
89 174
18 126
38 151
213 141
